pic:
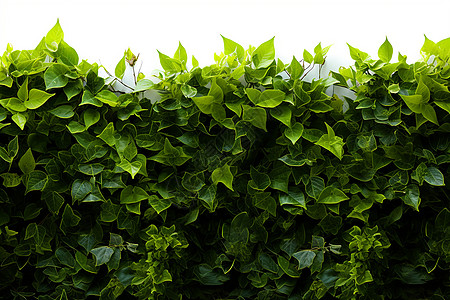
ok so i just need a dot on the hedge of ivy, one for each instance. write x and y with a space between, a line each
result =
238 180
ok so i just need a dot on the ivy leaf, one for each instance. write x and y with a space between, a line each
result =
37 98
55 76
332 143
434 177
54 37
294 133
305 258
36 181
68 219
223 174
231 47
102 254
133 194
120 68
107 97
332 195
260 181
385 51
53 200
264 55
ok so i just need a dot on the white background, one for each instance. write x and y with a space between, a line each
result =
100 30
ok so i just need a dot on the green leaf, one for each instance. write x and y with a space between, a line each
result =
133 194
268 98
357 54
315 186
180 54
385 51
54 37
63 111
143 85
223 174
332 143
412 196
132 168
305 258
170 155
107 97
434 177
36 181
264 55
231 47
55 76
119 71
332 195
22 93
307 56
11 179
54 201
260 181
192 182
37 98
90 117
295 70
282 113
90 169
268 263
27 162
170 65
208 195
65 257
257 116
67 54
294 197
188 91
102 254
294 133
68 219
80 189
422 89
109 212
107 135
20 120
158 204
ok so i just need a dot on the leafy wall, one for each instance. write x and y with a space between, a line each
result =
241 180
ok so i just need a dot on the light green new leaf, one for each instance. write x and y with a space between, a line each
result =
27 162
180 54
231 47
119 71
332 143
91 169
37 98
107 135
55 76
385 51
67 54
223 174
264 55
20 120
169 64
54 37
22 93
295 69
108 97
332 195
307 56
131 167
143 85
294 133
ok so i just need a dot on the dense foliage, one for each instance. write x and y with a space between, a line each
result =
238 180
